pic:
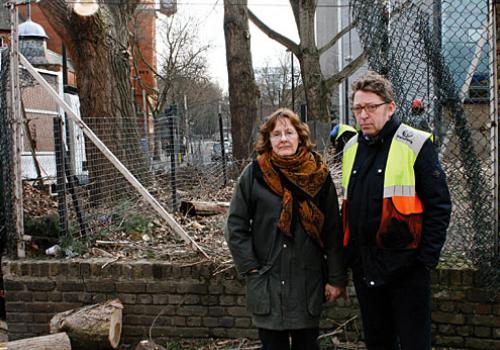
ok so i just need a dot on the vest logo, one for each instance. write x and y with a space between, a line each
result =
407 133
406 136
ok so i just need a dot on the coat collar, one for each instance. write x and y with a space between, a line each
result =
385 134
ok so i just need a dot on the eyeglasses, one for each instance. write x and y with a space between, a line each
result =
288 134
369 108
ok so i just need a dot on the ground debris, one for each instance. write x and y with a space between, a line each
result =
38 201
133 231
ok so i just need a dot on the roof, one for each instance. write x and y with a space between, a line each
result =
4 16
54 58
31 29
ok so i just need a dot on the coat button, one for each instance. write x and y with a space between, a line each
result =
372 283
354 171
284 245
379 171
283 282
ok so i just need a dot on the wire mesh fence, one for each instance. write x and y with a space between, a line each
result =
74 194
439 52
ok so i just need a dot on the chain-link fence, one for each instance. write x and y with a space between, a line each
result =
442 52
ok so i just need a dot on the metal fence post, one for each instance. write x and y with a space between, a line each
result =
171 147
60 174
222 148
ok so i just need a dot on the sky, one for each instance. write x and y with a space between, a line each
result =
277 14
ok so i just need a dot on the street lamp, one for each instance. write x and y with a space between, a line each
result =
293 81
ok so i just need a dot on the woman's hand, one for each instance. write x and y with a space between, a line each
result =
332 293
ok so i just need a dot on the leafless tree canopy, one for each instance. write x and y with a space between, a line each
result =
317 87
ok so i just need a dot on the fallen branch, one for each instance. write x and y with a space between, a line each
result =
203 208
109 263
338 329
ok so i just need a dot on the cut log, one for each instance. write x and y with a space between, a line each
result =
58 341
93 327
203 208
148 345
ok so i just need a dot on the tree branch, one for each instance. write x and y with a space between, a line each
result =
336 38
346 71
289 44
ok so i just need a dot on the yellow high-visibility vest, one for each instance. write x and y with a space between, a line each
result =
345 128
399 179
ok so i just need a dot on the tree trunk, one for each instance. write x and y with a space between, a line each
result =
96 326
98 46
203 208
318 98
243 91
59 341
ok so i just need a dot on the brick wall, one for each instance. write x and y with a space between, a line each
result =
195 303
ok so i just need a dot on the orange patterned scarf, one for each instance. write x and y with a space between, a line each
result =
307 171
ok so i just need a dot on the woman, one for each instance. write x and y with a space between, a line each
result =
283 221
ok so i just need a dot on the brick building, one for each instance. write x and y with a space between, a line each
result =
4 26
43 47
144 26
144 29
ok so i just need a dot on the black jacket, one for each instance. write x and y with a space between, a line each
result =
365 196
287 292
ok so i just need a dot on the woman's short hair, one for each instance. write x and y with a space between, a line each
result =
373 82
263 143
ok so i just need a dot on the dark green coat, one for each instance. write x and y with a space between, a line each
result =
287 292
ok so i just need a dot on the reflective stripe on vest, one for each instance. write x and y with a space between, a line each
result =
399 179
349 155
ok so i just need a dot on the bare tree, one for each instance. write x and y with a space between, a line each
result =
203 100
182 58
275 85
317 87
243 92
182 70
99 49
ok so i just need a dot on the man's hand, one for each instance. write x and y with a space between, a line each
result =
332 293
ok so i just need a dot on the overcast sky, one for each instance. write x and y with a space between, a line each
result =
275 13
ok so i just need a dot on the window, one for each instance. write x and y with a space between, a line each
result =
479 89
138 108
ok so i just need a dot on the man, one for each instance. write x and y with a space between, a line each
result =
396 209
339 136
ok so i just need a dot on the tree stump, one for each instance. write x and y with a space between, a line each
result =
93 327
58 341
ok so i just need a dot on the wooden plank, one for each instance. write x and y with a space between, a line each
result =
17 130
